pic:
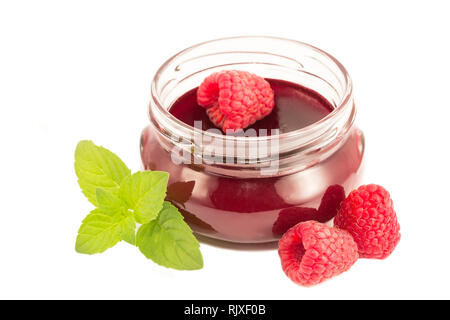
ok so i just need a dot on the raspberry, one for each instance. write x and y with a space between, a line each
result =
367 213
312 252
235 99
329 206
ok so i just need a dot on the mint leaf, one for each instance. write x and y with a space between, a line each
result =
108 201
105 226
127 230
97 233
126 224
169 241
97 167
144 193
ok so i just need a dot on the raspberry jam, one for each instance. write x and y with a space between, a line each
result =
295 107
319 149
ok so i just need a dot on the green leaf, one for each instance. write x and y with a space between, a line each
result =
126 224
106 225
108 201
97 167
127 230
97 233
144 193
169 241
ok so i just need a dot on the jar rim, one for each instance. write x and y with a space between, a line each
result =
348 91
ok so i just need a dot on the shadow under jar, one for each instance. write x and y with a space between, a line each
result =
250 189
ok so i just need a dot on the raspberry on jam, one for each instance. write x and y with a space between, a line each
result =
235 99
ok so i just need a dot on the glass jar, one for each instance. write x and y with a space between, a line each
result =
253 196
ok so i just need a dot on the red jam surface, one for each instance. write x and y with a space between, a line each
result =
251 210
295 107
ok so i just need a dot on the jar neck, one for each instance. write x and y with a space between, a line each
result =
251 156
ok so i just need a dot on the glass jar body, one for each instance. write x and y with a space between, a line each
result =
254 210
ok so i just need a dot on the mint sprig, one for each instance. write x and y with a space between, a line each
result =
123 199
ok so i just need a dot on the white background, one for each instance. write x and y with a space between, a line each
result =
72 70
